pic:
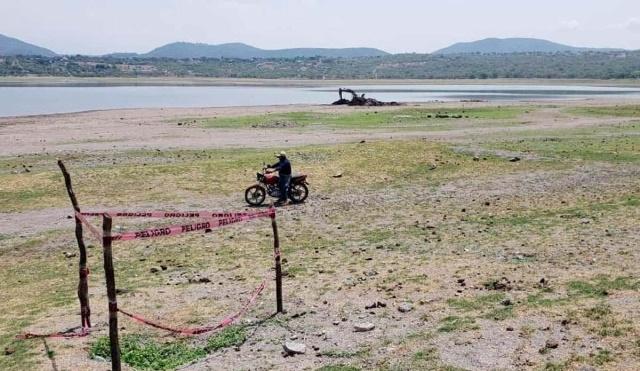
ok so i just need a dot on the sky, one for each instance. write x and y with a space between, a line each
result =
99 27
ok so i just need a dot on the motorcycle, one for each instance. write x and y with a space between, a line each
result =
268 185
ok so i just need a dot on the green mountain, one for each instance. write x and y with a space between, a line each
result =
511 45
10 46
244 51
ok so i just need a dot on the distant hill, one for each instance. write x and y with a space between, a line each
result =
244 51
512 45
10 46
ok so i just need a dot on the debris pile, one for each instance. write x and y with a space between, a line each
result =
360 100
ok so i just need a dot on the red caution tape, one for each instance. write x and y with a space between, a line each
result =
199 330
71 333
172 214
96 233
203 225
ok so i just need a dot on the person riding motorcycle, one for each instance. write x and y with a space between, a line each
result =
283 167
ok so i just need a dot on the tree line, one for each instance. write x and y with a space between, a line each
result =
566 65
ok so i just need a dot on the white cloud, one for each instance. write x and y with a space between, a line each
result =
633 25
570 24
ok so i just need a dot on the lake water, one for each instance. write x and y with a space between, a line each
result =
17 101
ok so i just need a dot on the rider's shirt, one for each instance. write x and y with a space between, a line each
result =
283 167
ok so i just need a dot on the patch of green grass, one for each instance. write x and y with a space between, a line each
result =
489 306
607 111
480 302
430 354
541 299
600 311
500 314
601 286
370 118
143 353
603 356
541 219
374 236
297 270
419 335
173 177
605 322
336 353
231 336
23 354
608 145
455 324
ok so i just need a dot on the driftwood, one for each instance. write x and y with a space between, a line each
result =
360 100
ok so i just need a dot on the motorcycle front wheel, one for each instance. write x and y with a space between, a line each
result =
298 192
255 195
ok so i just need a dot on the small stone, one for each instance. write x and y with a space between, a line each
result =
163 267
551 344
204 280
405 307
154 270
336 323
377 304
514 159
338 175
506 302
69 255
363 327
9 351
509 328
293 348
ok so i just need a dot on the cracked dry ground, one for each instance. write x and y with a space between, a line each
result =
530 264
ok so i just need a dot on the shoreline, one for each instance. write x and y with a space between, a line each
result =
53 81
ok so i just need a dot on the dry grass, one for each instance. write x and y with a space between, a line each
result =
408 221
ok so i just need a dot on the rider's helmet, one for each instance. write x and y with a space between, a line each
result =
282 154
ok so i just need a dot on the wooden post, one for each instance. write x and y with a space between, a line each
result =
276 253
111 293
83 271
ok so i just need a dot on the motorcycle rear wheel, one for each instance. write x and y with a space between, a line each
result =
298 192
255 195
